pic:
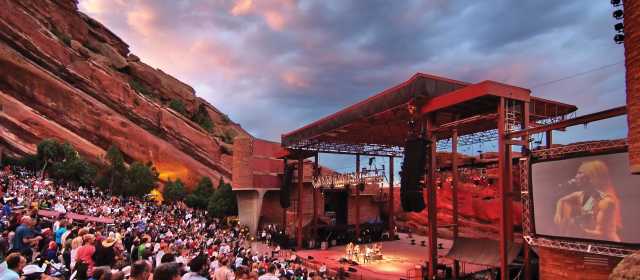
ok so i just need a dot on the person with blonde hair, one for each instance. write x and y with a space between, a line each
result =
594 210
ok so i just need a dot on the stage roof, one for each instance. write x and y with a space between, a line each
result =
378 124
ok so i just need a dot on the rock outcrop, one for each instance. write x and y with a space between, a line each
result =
66 76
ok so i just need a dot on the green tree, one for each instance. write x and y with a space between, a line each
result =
174 191
140 179
64 162
114 172
202 118
223 202
199 198
49 151
178 106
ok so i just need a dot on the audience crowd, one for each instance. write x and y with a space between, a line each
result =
144 241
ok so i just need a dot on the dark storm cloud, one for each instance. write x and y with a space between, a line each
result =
275 65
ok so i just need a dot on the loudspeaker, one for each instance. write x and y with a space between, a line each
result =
412 170
285 189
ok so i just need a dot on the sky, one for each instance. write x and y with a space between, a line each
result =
276 65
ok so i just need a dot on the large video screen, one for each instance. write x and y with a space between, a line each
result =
592 197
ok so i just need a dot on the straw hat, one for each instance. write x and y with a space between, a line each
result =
108 242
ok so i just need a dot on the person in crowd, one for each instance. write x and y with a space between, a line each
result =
167 271
25 237
224 272
12 266
86 251
199 268
140 270
59 232
270 275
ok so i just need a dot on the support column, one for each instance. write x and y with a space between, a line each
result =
299 205
315 199
454 194
284 210
549 138
502 189
431 200
392 222
357 199
525 138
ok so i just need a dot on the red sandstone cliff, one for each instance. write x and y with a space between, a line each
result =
65 76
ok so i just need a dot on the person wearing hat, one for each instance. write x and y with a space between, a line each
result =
105 254
32 272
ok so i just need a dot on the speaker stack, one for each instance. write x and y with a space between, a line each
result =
413 169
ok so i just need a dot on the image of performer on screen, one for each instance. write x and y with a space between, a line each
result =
593 211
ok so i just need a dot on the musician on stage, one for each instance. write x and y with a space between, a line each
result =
367 253
594 210
349 249
356 252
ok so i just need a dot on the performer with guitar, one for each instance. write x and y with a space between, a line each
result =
594 210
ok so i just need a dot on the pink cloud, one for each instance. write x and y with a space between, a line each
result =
277 14
294 79
242 7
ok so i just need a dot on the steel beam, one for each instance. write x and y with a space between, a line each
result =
454 194
502 163
392 225
357 198
432 208
610 113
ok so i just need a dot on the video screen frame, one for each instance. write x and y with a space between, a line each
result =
578 150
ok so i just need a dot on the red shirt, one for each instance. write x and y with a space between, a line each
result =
85 254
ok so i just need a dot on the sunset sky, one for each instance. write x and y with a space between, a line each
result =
275 65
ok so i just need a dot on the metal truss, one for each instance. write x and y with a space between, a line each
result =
470 139
528 224
347 148
577 148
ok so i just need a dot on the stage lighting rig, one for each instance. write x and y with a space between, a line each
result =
616 3
619 38
619 27
618 14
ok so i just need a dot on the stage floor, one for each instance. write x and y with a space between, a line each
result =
399 257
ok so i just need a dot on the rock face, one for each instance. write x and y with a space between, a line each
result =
65 76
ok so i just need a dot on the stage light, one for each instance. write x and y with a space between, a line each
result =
618 14
616 3
619 38
619 27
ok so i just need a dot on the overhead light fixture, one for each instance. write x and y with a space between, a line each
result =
616 3
619 38
619 27
618 14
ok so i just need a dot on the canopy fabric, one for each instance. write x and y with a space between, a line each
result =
480 251
74 216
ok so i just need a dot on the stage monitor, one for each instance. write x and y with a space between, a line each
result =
592 197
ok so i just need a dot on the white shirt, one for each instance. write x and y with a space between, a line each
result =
268 276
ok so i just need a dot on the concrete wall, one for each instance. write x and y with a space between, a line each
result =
564 264
632 62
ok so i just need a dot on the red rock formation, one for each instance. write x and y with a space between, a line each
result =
65 76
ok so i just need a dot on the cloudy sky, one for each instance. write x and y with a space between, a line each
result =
275 65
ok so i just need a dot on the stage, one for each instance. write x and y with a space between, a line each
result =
398 258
